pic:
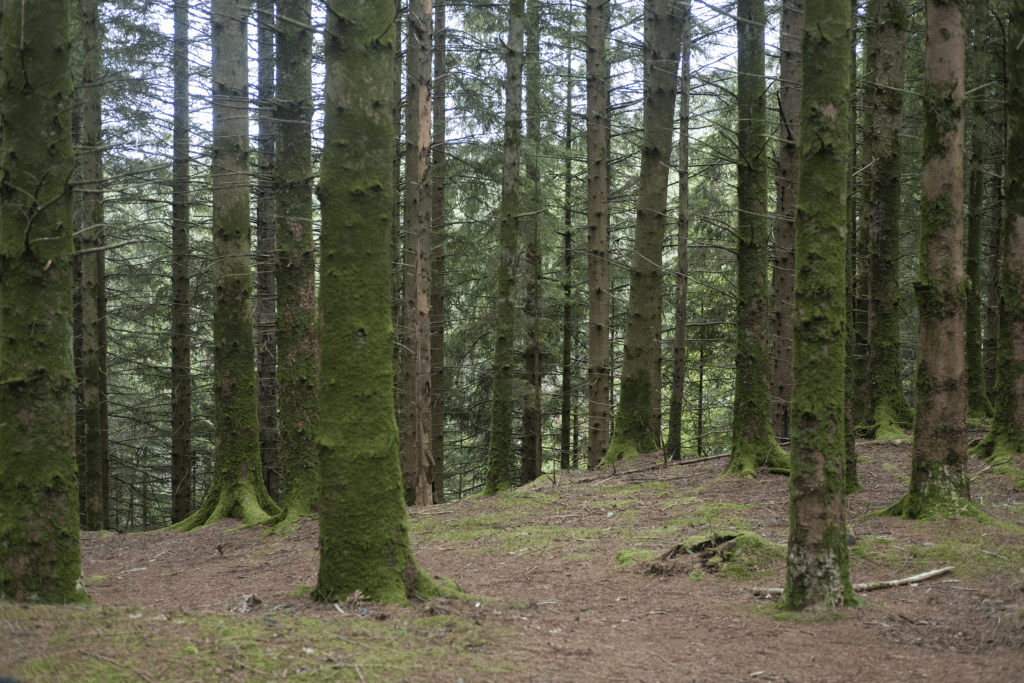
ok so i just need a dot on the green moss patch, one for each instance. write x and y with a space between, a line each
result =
630 556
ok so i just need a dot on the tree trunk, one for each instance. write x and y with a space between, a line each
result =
532 370
790 70
673 445
265 305
818 565
598 214
851 483
91 160
298 342
939 481
1006 436
890 413
978 404
364 530
237 490
499 452
994 257
181 319
39 523
437 263
416 290
635 426
565 448
753 443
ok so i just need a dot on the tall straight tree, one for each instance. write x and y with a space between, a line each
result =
978 404
599 413
1006 436
790 67
364 530
818 563
532 437
40 557
890 412
181 319
753 443
939 481
635 425
416 271
437 260
93 285
265 303
297 334
673 444
499 451
237 490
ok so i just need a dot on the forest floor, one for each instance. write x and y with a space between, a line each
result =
569 584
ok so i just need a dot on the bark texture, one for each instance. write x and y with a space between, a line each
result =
753 443
438 315
890 413
364 532
939 482
818 565
1006 436
599 412
237 490
298 342
39 524
499 451
636 429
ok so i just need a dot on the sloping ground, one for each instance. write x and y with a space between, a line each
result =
572 587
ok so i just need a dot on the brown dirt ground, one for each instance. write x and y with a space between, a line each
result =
580 616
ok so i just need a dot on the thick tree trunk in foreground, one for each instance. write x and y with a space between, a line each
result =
1006 436
298 342
939 482
635 424
753 443
181 319
39 556
499 451
599 413
237 490
364 532
416 258
818 565
790 69
890 412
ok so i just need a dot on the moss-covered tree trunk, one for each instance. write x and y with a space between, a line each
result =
781 317
753 443
39 524
635 424
364 535
818 566
416 256
978 404
1006 436
599 412
298 343
889 411
181 319
939 482
265 301
437 262
995 238
673 444
533 347
851 483
237 490
91 161
499 450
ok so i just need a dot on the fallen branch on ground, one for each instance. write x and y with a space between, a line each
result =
874 585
